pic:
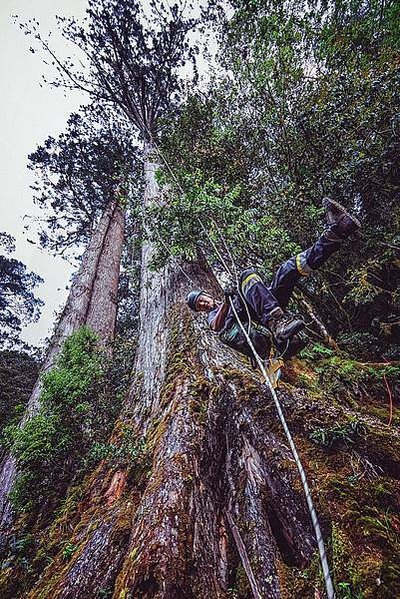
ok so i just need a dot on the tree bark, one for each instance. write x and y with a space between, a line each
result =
212 505
211 498
91 301
181 526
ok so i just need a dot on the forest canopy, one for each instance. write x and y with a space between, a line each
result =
149 461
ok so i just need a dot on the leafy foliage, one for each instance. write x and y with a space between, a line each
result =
18 304
307 107
340 434
190 220
68 551
129 452
75 411
78 175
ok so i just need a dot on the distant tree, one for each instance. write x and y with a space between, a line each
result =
18 304
77 175
18 373
83 180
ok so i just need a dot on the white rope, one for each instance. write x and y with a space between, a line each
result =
314 519
318 535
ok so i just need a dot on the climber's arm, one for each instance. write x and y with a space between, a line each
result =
216 318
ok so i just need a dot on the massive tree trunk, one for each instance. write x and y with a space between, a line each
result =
91 302
207 502
214 507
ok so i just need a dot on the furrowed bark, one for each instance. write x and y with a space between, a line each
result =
102 309
219 504
213 505
91 301
155 295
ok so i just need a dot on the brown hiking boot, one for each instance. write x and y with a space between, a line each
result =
283 325
341 224
296 344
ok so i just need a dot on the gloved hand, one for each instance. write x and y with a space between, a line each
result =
229 291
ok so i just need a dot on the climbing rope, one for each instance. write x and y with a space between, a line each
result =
310 504
321 547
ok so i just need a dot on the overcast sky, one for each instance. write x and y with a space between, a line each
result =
28 114
30 111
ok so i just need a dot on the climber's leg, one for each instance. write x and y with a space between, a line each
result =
259 298
341 224
302 265
264 307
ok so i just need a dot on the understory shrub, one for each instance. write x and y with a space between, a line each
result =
77 409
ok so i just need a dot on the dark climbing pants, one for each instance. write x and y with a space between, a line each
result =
262 299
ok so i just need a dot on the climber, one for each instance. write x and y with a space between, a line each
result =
267 304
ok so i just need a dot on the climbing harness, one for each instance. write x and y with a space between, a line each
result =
234 338
271 378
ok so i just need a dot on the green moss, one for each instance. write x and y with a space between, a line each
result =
353 487
242 582
182 366
337 371
246 386
364 539
68 551
296 582
343 568
49 448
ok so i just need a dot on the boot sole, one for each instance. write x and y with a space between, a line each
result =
327 201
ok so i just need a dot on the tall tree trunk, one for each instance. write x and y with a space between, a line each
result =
180 526
155 289
91 301
207 500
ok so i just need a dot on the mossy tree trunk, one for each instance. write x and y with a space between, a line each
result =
207 499
204 498
213 506
92 302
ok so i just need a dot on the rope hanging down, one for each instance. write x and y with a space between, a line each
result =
321 547
314 519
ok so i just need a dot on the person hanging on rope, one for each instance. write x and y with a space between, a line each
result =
266 304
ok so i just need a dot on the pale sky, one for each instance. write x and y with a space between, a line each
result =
28 114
